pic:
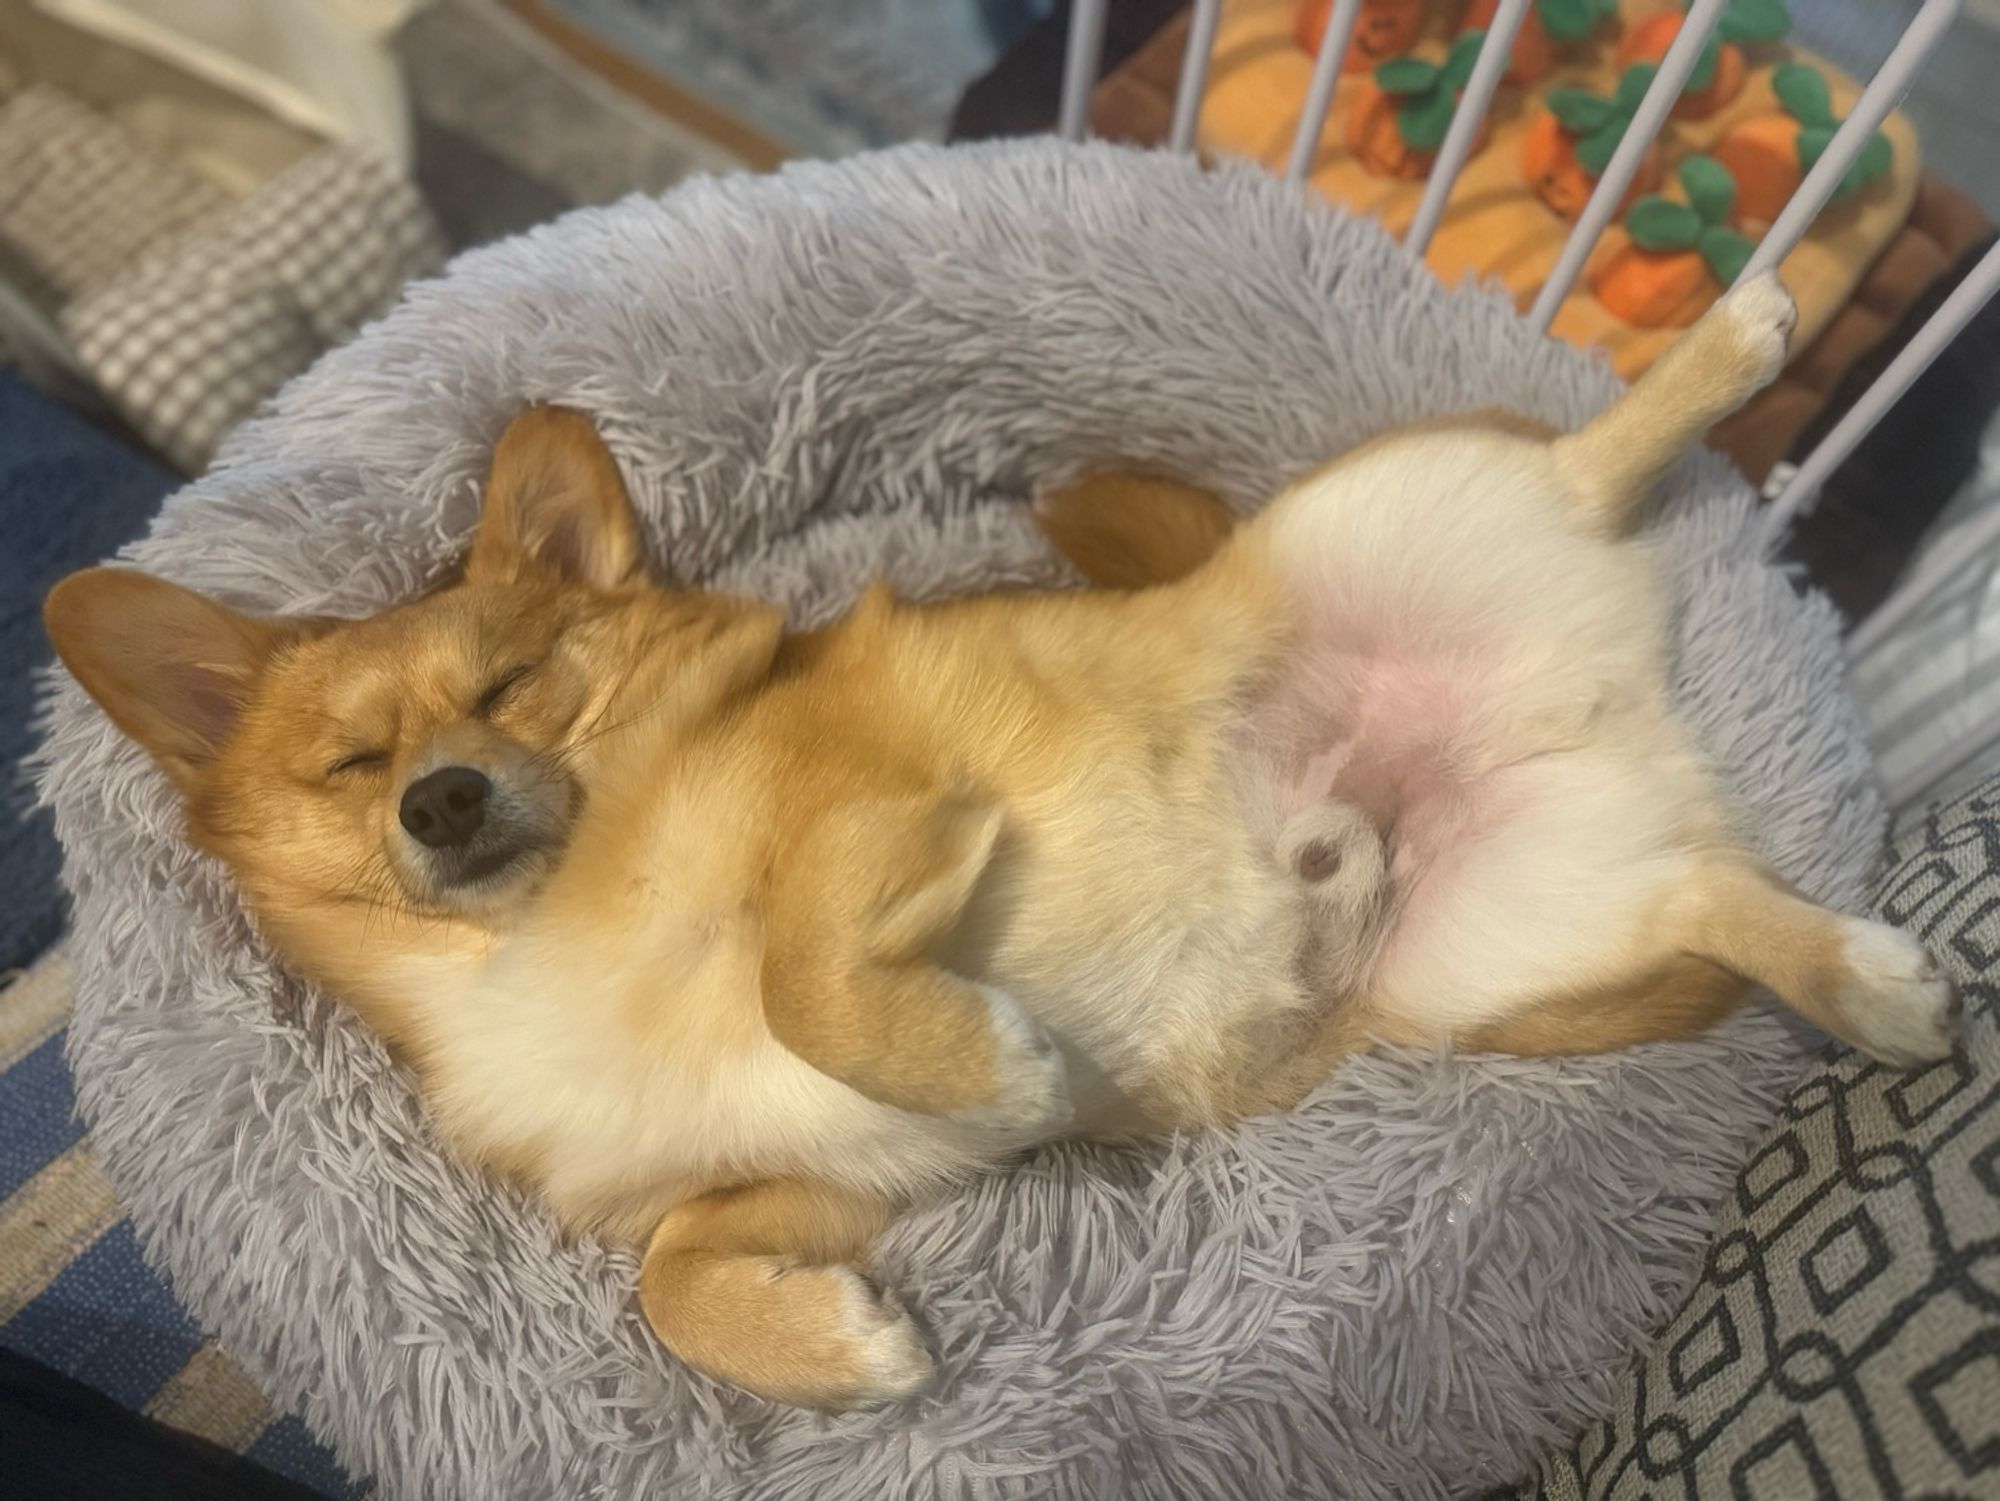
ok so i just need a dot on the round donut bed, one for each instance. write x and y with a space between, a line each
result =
1404 1288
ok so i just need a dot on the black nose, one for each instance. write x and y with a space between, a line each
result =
446 808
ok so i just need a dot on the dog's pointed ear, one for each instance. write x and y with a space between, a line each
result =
172 668
555 503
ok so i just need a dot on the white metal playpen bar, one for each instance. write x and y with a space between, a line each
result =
1798 490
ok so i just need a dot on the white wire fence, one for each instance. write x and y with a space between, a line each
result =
1800 488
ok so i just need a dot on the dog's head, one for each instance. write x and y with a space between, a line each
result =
431 761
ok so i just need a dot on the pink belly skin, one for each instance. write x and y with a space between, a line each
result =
1390 735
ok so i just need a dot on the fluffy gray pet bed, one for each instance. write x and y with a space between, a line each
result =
1401 1289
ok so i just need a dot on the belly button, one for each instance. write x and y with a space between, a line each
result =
1319 860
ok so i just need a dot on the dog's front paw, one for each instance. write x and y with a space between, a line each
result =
1030 1080
1760 315
1896 1004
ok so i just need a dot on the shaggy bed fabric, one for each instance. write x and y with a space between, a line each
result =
1403 1288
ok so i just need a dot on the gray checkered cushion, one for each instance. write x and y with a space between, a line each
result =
1844 1340
186 355
82 200
187 345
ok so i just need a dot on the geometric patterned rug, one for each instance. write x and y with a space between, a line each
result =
1844 1340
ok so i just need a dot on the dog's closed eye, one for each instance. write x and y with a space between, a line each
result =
495 693
368 760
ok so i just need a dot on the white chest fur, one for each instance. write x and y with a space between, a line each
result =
622 1077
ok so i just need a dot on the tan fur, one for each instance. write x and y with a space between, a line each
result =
1615 460
753 1285
1662 998
555 494
800 928
851 984
1131 531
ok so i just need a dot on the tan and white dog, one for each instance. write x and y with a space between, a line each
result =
735 942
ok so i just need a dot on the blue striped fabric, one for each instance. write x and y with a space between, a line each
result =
288 1448
108 1321
104 1317
37 1115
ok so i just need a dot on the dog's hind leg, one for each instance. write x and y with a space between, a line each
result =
1723 925
1734 351
1867 983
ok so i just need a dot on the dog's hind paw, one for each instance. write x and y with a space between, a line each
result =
1896 1004
1761 314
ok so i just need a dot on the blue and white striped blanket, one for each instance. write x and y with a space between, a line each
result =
76 1293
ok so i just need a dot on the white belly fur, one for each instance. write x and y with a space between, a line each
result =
1489 683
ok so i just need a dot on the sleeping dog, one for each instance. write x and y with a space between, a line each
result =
734 942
